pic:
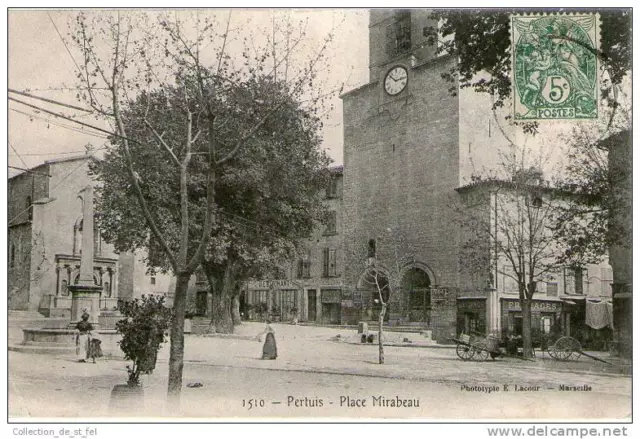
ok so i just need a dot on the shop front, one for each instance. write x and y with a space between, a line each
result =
590 321
547 318
331 300
471 315
278 300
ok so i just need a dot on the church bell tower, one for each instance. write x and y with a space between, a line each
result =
396 36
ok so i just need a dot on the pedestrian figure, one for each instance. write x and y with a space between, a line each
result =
269 349
83 338
95 349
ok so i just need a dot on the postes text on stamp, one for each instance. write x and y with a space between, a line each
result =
555 66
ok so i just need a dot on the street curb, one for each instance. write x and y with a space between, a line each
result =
377 375
538 366
400 345
228 336
391 344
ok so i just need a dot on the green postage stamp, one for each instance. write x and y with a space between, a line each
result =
555 66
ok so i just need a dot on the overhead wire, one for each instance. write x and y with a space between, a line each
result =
51 101
42 154
88 156
64 42
95 135
14 150
60 124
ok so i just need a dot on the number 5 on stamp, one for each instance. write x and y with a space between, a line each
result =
554 69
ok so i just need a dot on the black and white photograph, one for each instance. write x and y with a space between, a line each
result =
362 214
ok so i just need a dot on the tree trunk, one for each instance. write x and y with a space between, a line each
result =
176 347
221 288
380 322
620 229
527 351
235 309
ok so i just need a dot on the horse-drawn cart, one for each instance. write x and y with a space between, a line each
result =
476 347
568 348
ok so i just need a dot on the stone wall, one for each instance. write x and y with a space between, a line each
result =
50 232
400 174
19 267
401 169
22 191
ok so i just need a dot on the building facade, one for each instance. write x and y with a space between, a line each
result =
401 166
311 288
45 239
571 300
410 145
45 243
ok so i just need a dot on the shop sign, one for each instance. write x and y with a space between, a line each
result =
331 296
283 284
535 306
442 297
474 304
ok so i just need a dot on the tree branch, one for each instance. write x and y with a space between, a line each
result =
162 142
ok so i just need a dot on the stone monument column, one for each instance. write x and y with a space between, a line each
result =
492 311
86 294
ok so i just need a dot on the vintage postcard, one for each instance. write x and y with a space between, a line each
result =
319 215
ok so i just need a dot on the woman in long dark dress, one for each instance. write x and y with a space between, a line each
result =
83 338
269 349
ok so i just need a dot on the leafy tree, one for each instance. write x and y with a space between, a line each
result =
136 70
267 198
598 189
143 329
481 41
270 202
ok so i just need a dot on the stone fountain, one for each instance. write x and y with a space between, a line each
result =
85 298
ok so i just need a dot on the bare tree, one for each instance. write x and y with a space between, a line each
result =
384 264
126 56
506 230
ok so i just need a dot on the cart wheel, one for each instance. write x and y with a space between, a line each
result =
575 355
481 353
551 350
465 352
566 347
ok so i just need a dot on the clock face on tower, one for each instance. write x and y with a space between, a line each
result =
396 80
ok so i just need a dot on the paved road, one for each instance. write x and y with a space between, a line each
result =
311 368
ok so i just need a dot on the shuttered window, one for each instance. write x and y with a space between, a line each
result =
398 34
331 223
329 262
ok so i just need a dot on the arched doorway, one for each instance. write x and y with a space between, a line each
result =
416 285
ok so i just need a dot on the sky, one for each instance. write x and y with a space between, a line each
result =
39 61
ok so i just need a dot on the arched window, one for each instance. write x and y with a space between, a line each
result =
77 236
97 239
371 252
